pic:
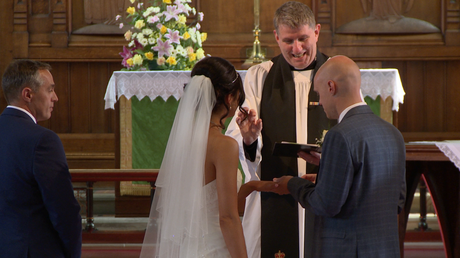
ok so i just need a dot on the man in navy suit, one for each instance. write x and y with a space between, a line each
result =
39 215
360 186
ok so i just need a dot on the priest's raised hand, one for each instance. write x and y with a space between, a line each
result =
250 126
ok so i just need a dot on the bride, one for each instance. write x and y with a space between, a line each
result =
195 208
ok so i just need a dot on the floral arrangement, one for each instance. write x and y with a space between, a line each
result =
159 37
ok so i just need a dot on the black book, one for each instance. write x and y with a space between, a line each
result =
290 149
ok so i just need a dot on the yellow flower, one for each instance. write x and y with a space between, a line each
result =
149 55
161 60
131 10
171 60
204 36
186 36
130 62
139 24
163 29
132 1
200 53
128 35
182 19
192 57
167 1
137 59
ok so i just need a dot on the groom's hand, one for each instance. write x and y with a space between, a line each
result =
312 157
281 185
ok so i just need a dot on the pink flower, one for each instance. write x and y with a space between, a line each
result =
173 36
162 48
171 12
153 19
137 45
126 54
181 8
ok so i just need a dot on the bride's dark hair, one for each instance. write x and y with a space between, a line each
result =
224 78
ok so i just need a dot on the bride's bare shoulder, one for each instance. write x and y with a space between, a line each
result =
221 143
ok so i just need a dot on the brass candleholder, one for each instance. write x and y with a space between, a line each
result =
256 56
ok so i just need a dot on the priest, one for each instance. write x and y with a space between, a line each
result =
280 94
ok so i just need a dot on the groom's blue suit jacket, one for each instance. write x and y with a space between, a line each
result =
359 191
39 215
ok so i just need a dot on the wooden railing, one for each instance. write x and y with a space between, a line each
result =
90 176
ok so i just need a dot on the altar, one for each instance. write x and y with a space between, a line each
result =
148 101
439 164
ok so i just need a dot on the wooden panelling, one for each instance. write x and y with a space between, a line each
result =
99 75
88 143
414 100
92 150
237 16
452 97
80 95
350 10
430 136
434 86
60 119
80 87
432 91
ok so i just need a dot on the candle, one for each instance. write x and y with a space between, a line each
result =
256 14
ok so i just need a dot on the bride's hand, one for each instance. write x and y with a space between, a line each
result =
264 186
250 126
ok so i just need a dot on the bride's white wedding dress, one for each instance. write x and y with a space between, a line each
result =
184 217
213 243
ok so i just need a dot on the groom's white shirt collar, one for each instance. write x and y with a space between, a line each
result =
345 111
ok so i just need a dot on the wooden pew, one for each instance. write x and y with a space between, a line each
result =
90 176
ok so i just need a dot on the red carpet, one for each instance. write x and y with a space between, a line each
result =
411 250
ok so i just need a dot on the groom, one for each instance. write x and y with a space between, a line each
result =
361 185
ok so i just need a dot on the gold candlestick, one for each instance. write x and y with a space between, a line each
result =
256 55
256 14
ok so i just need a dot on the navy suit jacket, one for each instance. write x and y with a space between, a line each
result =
359 191
39 215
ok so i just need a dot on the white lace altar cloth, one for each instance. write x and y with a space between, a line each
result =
383 82
150 84
452 150
145 84
164 84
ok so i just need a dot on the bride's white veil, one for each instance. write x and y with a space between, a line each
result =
178 213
